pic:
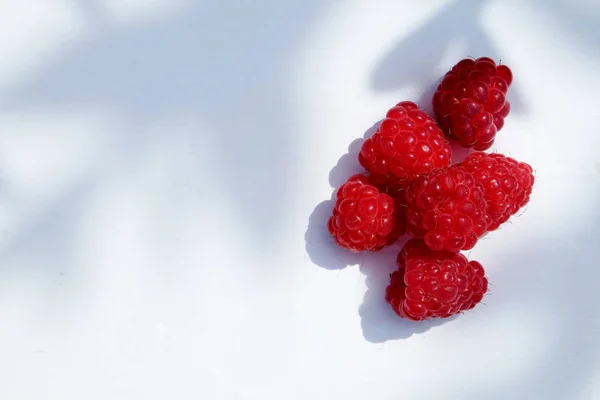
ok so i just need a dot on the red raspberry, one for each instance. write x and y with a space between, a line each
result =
434 284
407 144
470 102
363 217
447 208
507 184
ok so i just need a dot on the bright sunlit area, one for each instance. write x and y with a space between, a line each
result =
168 169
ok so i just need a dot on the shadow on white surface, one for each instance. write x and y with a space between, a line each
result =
190 64
557 280
320 246
348 164
417 57
378 321
577 21
224 65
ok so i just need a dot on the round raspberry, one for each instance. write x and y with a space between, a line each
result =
447 208
434 284
407 144
470 102
507 184
363 217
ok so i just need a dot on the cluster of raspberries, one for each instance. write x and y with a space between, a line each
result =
411 187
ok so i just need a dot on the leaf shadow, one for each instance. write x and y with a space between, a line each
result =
149 73
416 58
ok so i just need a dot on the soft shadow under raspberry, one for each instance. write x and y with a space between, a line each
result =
378 321
320 245
348 164
459 153
424 101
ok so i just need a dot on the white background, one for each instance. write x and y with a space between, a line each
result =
165 175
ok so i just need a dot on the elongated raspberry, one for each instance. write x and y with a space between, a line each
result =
407 144
434 284
507 184
363 217
470 102
447 208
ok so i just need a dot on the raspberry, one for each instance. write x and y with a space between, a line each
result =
434 284
407 144
363 217
447 208
507 184
470 102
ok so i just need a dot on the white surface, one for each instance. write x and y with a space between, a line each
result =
160 160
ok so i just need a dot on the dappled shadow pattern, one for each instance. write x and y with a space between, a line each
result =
220 62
